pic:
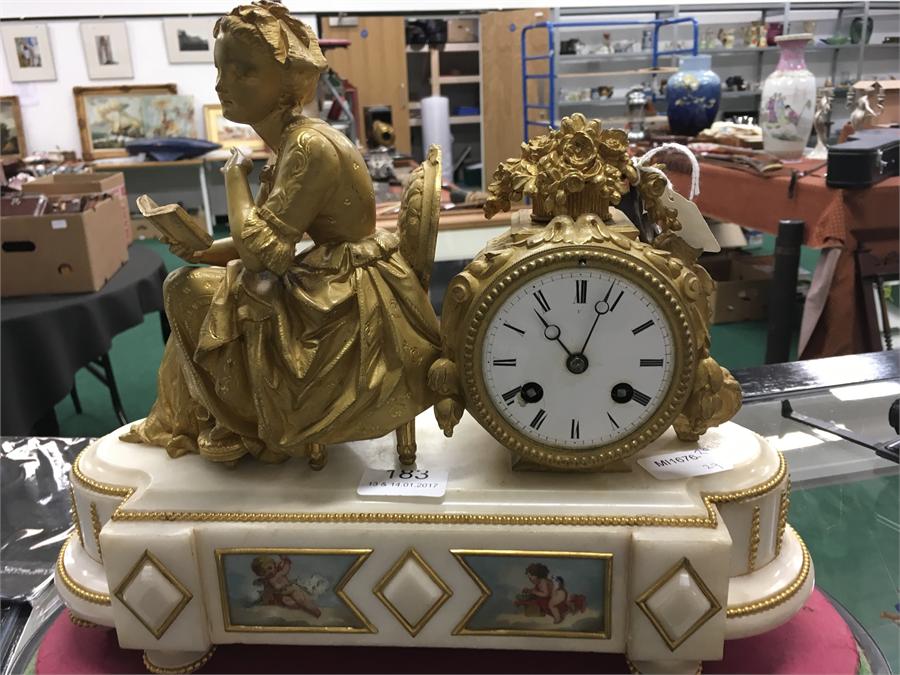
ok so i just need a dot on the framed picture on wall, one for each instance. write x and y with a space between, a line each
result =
189 39
106 50
27 50
229 134
12 133
109 117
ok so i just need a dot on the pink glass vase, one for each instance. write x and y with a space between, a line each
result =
788 100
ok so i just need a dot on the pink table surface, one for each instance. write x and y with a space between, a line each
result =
817 640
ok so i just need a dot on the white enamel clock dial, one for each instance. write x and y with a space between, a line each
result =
577 358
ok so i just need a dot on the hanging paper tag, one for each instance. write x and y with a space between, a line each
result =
694 228
686 464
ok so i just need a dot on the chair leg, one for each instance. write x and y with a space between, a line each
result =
107 377
406 442
113 389
885 321
317 455
75 400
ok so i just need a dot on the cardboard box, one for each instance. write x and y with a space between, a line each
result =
79 184
62 253
141 228
462 30
742 286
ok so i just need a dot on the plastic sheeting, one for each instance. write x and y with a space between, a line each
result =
34 519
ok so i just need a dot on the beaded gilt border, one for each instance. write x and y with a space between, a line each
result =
710 520
782 515
765 604
187 668
754 540
73 586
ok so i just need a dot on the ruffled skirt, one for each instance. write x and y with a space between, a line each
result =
336 349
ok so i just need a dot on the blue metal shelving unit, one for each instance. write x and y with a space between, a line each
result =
550 56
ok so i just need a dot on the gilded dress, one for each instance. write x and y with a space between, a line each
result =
327 346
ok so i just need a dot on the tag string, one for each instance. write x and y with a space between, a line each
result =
677 147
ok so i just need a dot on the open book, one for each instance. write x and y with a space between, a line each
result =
175 224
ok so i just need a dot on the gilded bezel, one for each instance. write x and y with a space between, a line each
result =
603 256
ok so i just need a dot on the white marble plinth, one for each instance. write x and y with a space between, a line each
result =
179 555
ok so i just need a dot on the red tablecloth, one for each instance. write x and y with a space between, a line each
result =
842 219
816 640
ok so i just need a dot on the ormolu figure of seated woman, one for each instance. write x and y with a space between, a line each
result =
274 354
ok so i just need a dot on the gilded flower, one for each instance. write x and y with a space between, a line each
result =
578 156
614 145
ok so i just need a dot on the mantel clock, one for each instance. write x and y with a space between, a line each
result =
577 339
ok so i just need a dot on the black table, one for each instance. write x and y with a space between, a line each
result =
46 339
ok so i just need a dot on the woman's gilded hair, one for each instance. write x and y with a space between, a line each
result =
292 43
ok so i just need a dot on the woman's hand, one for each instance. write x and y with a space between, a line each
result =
238 162
182 251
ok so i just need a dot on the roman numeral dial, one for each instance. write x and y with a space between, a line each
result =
576 358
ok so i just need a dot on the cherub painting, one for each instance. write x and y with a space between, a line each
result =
290 589
548 595
277 588
566 594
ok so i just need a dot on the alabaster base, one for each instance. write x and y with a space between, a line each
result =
181 555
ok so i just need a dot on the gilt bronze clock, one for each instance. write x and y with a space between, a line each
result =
570 340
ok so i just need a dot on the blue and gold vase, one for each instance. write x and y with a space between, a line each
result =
692 96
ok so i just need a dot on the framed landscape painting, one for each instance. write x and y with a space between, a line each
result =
229 134
12 134
109 117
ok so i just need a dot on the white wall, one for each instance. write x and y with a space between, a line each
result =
48 108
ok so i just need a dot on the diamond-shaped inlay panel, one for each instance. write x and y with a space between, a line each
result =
678 604
153 594
412 591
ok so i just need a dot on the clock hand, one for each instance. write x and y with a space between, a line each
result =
602 307
552 332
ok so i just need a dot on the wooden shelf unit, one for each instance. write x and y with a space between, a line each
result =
436 83
454 119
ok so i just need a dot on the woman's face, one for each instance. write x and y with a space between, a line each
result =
249 81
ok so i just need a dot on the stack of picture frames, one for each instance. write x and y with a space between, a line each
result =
109 117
